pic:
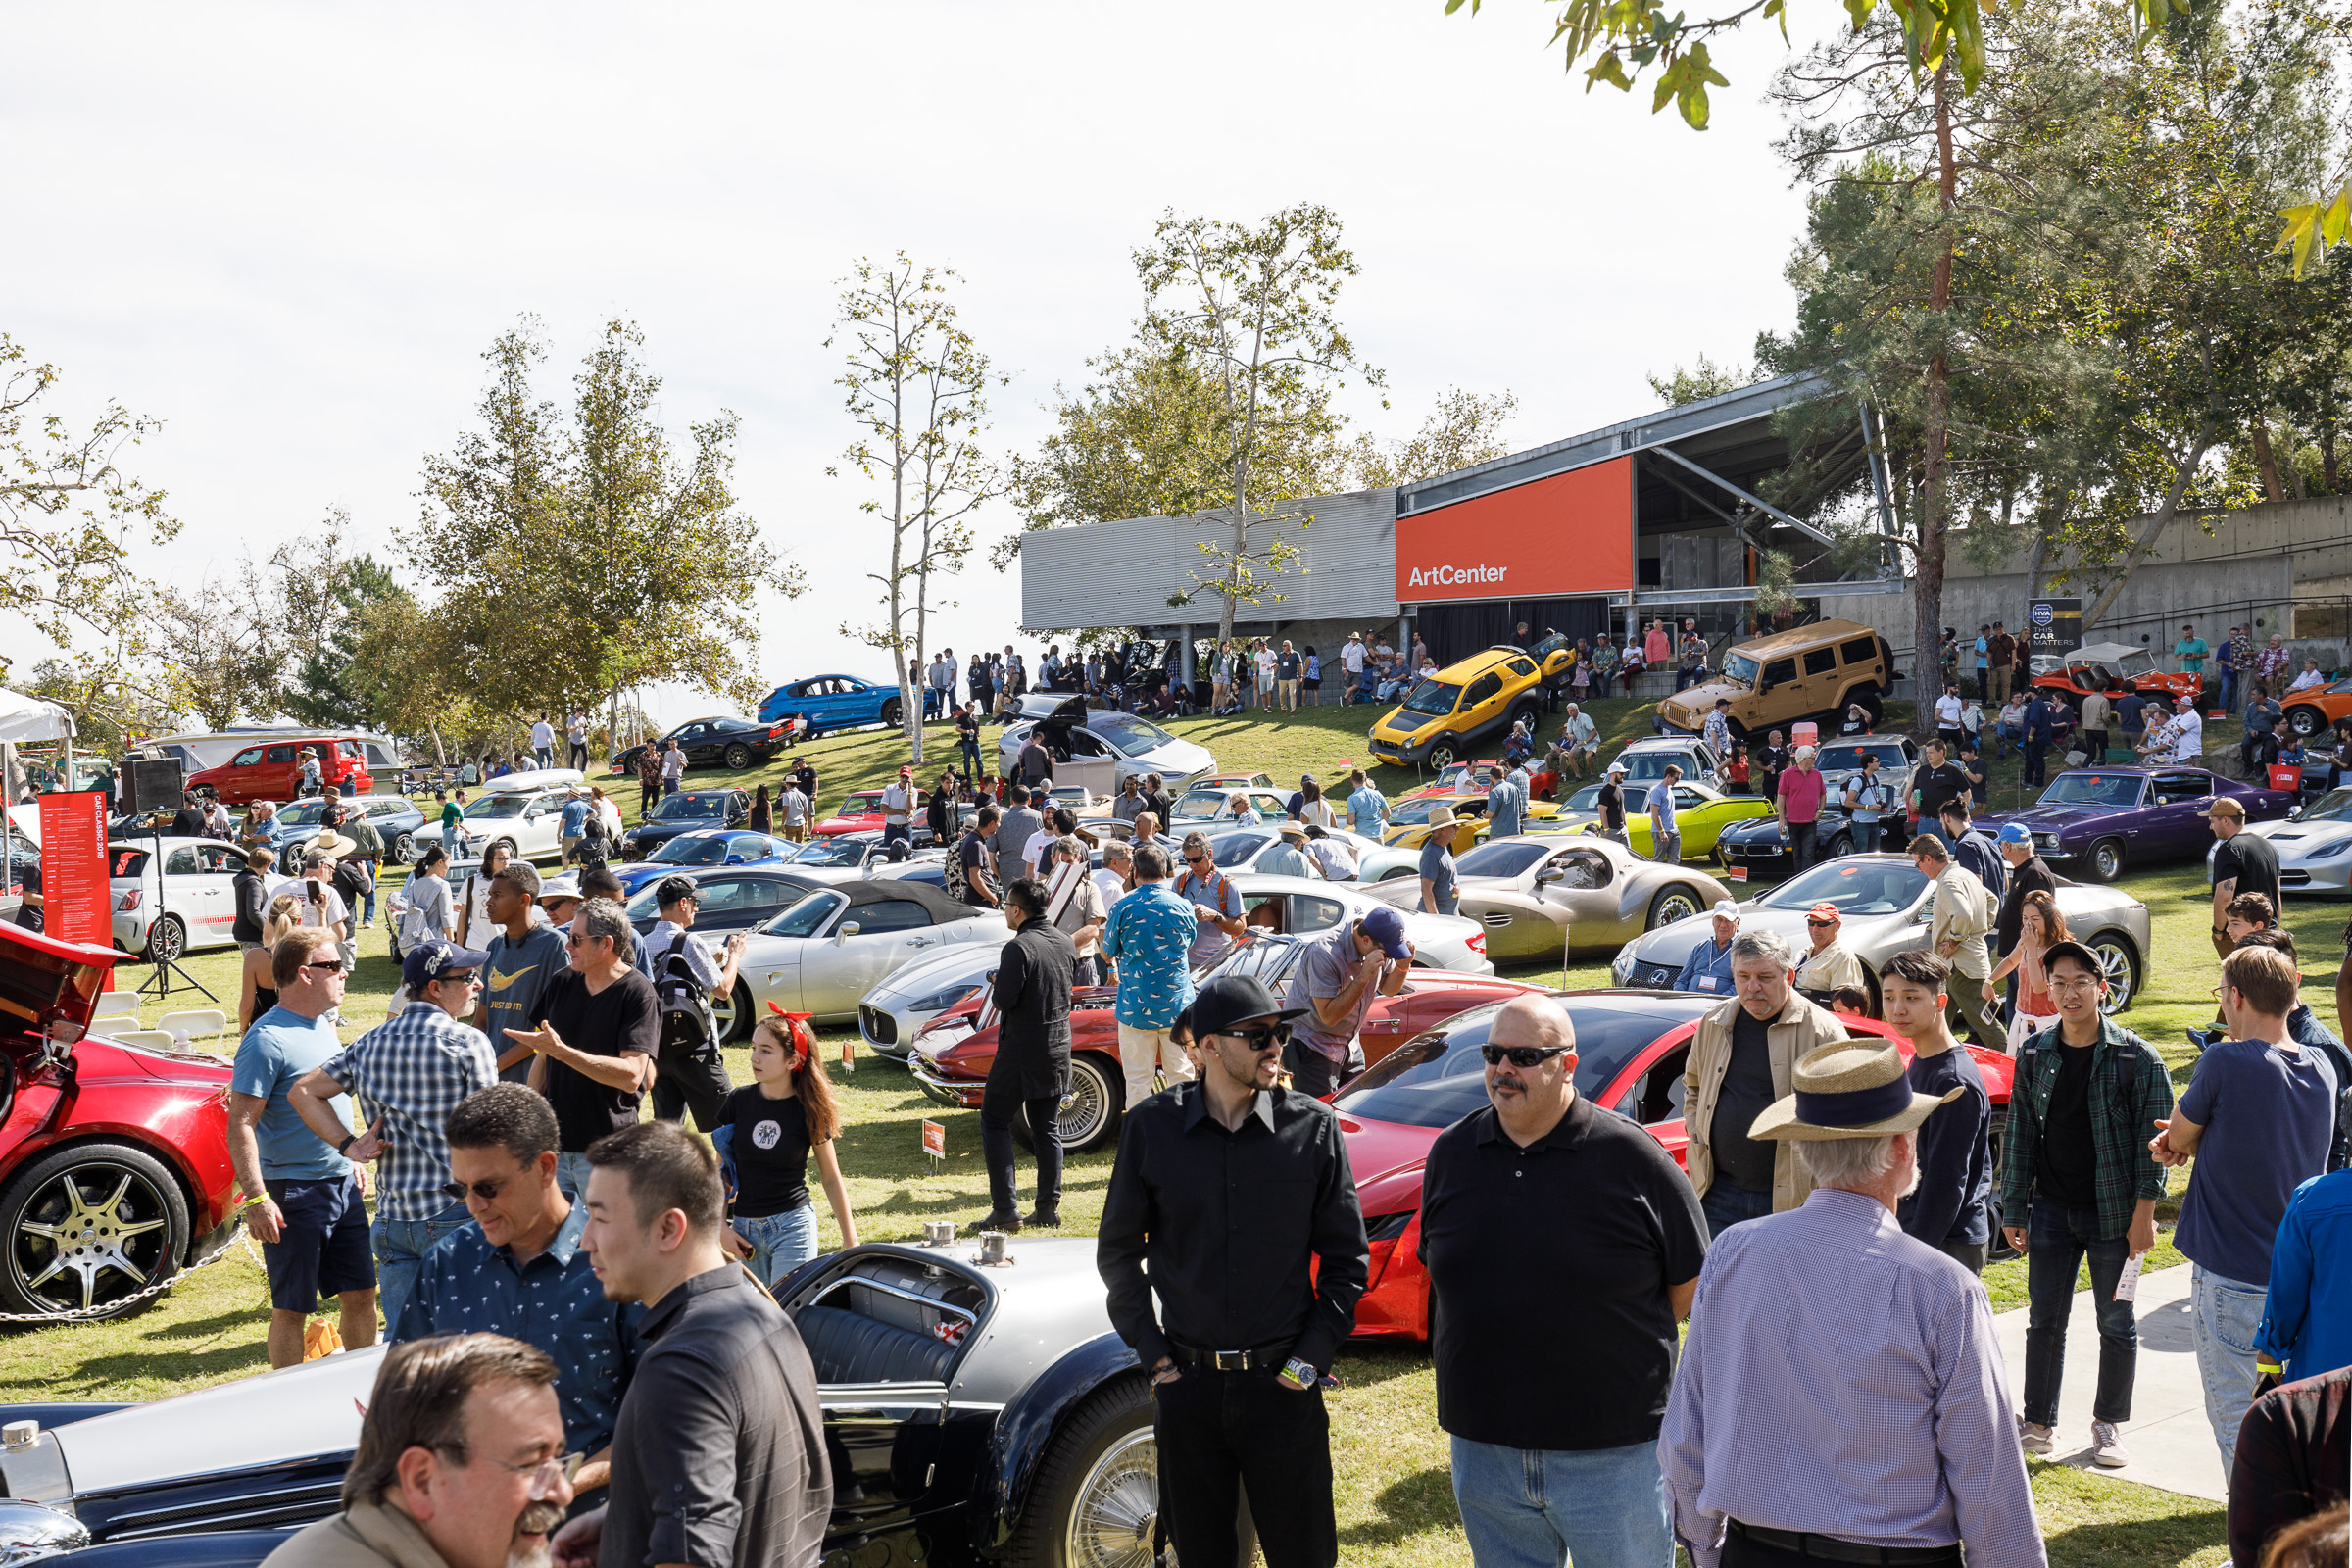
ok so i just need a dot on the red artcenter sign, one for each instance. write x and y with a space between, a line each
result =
77 898
1572 533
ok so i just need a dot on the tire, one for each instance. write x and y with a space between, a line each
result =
2305 721
734 1015
1996 1134
738 757
1098 1095
2105 861
1395 871
1837 848
404 848
166 939
892 713
1442 754
1676 903
88 1224
1096 1497
2122 967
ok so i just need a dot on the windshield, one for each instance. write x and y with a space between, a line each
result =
1587 798
1413 814
841 851
2137 663
1129 735
1653 764
1739 670
1433 697
804 918
1848 758
865 803
690 808
1437 1079
1852 887
1500 857
495 807
2333 806
300 813
1197 807
691 849
2093 789
1236 849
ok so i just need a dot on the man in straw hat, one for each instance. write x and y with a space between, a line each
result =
1841 1388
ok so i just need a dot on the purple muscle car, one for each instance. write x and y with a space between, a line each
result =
2098 820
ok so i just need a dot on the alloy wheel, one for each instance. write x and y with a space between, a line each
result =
2115 962
166 940
90 1227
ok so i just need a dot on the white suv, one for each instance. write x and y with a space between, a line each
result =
523 811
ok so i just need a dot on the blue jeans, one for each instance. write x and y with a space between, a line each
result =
780 1242
546 755
2227 1312
572 1173
1538 1507
400 1248
970 756
2058 1241
1866 836
1725 1206
2229 690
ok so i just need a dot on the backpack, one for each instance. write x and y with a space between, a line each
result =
688 1026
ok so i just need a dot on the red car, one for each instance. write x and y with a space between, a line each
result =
1631 1047
1463 778
271 770
861 813
113 1160
956 1074
2117 666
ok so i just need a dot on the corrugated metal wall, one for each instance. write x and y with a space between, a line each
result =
1123 573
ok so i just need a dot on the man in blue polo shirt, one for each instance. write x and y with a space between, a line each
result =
520 1270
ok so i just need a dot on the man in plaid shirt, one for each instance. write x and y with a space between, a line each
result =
410 1073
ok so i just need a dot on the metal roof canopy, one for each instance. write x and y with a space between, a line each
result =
1697 467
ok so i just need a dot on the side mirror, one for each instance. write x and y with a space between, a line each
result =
843 933
2295 813
1926 914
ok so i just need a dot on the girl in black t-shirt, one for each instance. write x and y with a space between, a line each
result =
768 1128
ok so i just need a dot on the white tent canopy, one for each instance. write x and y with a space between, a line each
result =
29 719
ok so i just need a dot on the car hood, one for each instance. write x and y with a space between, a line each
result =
664 832
966 962
297 1412
2048 818
1688 710
1673 944
1175 758
1377 1150
2301 838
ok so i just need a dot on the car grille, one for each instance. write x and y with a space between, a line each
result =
1653 975
2294 879
878 1027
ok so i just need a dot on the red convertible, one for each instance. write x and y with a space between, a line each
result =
113 1160
1631 1046
954 1074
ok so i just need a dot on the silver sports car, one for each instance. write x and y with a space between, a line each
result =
1885 904
1538 897
2315 848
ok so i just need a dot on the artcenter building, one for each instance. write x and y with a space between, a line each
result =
1658 517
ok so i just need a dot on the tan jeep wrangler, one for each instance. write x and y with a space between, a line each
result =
1805 673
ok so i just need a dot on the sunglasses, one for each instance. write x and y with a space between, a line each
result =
487 1192
1266 1037
333 967
1819 923
1519 1056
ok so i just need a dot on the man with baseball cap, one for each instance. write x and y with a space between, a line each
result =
898 813
409 1072
2028 873
1841 1389
1611 803
1830 966
1225 1190
1331 987
1708 969
2242 862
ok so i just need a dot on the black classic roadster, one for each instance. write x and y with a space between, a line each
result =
973 1413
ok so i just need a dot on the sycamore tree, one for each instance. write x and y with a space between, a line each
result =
916 384
1255 310
1463 430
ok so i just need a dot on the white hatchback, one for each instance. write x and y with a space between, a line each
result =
187 901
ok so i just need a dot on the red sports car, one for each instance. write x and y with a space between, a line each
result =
1463 778
956 1074
113 1160
1631 1047
861 813
2117 666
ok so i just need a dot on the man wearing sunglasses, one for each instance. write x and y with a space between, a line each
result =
1224 1192
1216 903
307 1208
519 1269
1544 1209
410 1073
600 1031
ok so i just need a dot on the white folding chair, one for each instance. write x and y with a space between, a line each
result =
154 1039
194 1022
116 1004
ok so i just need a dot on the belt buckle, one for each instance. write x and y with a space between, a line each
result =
1232 1360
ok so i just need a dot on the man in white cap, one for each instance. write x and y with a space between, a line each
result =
1611 801
1708 969
1841 1389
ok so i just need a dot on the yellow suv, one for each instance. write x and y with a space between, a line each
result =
1445 715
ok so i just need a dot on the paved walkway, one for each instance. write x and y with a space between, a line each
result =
2171 1441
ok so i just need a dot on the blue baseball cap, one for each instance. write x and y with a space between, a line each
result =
1386 926
2014 833
429 962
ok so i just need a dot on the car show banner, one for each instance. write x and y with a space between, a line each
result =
76 899
2053 625
1569 534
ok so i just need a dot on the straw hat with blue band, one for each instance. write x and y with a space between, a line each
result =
1854 1088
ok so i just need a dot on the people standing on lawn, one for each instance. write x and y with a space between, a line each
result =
2040 926
1951 1207
1150 934
767 1131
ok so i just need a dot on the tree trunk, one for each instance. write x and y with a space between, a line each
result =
2033 560
2156 524
2265 459
1935 437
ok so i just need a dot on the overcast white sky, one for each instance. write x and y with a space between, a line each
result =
289 231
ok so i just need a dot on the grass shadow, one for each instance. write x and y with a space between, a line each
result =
1410 1506
2172 1539
1369 1364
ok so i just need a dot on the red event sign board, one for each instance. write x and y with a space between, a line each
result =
1572 533
935 1139
77 903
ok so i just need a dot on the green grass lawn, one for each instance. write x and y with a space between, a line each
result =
1395 1506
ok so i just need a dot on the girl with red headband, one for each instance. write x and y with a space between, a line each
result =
768 1128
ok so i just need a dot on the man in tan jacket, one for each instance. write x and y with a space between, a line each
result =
1741 1061
1962 916
460 1463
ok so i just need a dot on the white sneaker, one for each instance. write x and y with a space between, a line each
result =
2035 1438
2106 1447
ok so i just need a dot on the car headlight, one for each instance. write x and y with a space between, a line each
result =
30 1532
2328 851
2045 841
941 1000
1623 969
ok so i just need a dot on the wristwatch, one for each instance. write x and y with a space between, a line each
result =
349 1139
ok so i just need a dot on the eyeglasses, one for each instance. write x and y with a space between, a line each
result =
1265 1037
545 1476
465 977
332 966
487 1192
1518 1055
1819 924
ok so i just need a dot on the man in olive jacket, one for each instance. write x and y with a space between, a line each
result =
1032 1067
1742 1059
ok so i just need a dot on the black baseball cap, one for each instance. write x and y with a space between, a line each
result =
1231 999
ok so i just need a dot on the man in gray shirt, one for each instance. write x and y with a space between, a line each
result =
1507 804
1130 800
1015 828
1336 980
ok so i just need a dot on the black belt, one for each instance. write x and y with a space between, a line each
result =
1230 1360
1826 1548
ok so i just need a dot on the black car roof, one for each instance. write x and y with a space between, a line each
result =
931 898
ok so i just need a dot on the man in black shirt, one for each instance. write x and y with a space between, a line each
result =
1032 1067
1544 1208
1951 1207
967 741
971 874
600 1031
1224 1188
1937 781
1611 801
1156 797
251 887
1036 765
2245 862
720 1453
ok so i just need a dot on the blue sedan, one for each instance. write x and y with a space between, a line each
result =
705 848
833 702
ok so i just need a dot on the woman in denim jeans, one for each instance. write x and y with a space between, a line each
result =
768 1129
